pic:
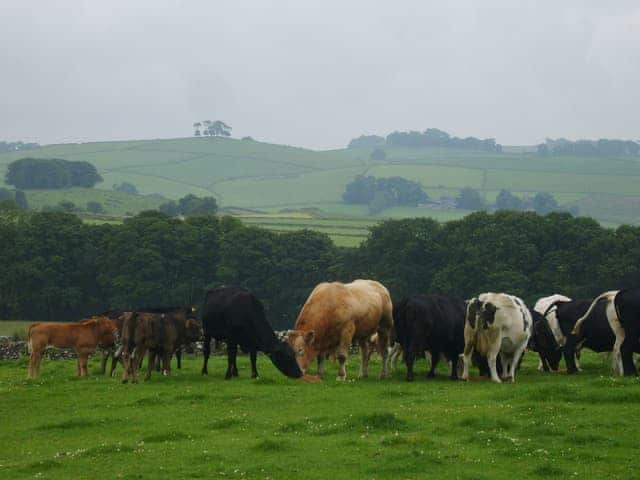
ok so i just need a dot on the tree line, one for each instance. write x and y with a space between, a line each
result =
55 267
6 147
381 193
46 173
431 137
589 148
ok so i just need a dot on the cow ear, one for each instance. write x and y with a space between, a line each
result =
309 337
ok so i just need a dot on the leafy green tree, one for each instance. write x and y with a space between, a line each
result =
94 207
378 155
367 141
126 187
29 173
544 202
469 199
508 201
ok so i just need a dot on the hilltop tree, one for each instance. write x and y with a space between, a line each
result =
197 126
469 199
219 129
29 173
508 201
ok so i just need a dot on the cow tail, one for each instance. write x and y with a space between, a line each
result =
608 295
29 346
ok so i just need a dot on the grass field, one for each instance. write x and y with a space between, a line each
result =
189 426
251 174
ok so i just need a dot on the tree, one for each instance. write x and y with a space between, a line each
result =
219 129
367 141
544 202
378 155
94 207
126 187
197 126
508 201
30 173
190 205
469 199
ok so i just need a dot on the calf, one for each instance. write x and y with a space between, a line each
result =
434 323
234 315
496 323
158 331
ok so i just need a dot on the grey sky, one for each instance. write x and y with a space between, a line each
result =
317 73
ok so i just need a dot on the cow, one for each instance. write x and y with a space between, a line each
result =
115 352
158 331
337 314
496 323
394 350
434 323
544 342
234 315
84 337
622 312
546 306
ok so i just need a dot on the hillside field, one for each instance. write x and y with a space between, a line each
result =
190 426
271 178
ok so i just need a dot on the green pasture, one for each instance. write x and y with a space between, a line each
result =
269 177
190 426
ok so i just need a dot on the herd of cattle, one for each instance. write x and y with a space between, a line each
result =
491 331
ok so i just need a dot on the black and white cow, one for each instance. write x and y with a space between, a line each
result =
496 323
234 315
544 343
433 323
622 313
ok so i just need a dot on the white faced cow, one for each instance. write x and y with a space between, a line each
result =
496 323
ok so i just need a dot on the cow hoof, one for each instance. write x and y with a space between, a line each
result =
341 379
204 372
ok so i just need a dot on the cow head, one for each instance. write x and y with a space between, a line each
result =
284 359
193 331
544 342
302 344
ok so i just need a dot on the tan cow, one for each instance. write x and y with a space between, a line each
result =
337 314
84 337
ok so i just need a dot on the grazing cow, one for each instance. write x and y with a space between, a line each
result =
496 323
622 312
84 337
596 333
544 342
434 323
234 315
158 331
337 314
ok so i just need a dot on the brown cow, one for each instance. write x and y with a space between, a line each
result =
84 337
335 315
158 331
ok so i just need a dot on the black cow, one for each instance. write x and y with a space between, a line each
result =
596 334
544 343
430 322
234 315
622 310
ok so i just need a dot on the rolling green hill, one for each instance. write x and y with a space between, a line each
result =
248 174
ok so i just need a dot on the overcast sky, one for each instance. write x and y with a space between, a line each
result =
318 73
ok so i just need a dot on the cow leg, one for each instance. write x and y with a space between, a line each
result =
626 357
364 357
34 363
114 363
179 358
83 363
491 360
466 360
136 363
569 353
321 358
253 355
515 361
616 354
232 351
206 351
382 344
151 364
453 358
343 350
166 364
103 361
506 359
126 363
435 357
394 355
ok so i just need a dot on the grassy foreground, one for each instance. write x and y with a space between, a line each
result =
189 426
